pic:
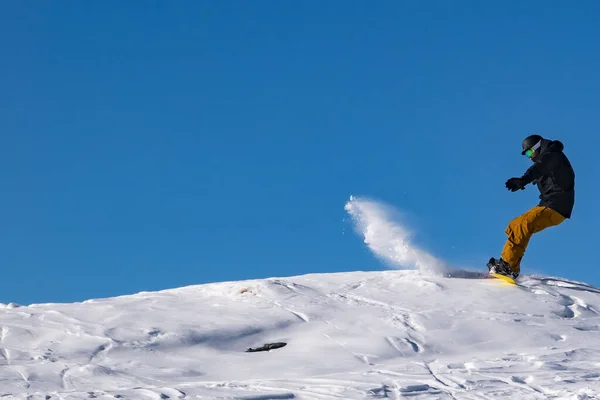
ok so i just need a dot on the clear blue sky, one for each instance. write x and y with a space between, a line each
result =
166 144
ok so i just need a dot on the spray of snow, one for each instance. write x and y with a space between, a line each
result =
388 238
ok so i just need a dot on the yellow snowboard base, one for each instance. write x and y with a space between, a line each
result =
504 278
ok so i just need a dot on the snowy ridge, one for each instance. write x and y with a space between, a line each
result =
361 335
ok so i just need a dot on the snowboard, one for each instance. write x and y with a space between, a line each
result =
494 275
504 278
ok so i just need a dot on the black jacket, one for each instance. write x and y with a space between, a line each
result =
554 176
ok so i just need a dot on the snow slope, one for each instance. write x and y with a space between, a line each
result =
361 335
430 332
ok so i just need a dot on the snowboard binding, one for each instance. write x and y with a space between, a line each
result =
501 267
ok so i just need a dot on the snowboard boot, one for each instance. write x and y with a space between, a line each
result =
501 267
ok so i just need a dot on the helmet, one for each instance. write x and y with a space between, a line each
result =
529 142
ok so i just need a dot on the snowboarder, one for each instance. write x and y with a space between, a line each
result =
555 179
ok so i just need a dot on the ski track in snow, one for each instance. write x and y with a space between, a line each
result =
362 335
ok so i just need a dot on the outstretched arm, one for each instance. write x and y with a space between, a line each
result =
540 169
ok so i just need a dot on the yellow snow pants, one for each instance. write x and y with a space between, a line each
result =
520 230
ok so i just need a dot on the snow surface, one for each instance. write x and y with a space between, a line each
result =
423 334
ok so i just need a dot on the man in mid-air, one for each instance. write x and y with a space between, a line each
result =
555 179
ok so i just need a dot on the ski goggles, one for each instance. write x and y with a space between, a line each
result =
529 152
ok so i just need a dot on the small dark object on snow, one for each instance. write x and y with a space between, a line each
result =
267 347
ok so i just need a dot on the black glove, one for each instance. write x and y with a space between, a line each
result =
514 184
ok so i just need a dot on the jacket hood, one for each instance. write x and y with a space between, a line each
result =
549 146
553 146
